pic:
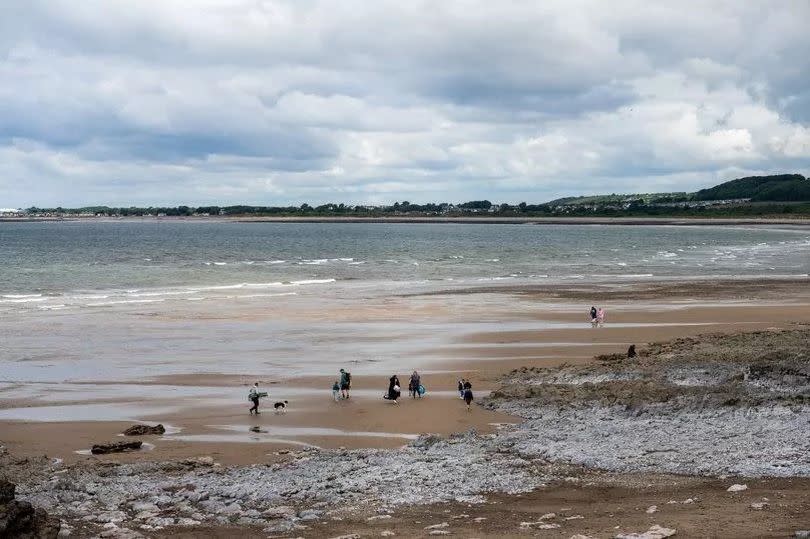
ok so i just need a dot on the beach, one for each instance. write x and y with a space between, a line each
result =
79 374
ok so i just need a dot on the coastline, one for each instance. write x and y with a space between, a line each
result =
626 221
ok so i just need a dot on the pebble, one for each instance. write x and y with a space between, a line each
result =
802 534
652 509
387 533
378 517
655 532
439 532
437 526
737 488
759 506
347 536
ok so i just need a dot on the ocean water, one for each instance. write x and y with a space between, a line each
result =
93 265
88 306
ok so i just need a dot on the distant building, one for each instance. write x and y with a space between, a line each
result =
11 212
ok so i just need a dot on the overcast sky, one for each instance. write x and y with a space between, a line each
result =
155 102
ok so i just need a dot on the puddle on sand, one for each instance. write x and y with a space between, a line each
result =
120 411
272 434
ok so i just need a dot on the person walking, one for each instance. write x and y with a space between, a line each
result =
394 389
600 317
593 315
414 384
461 388
345 383
254 396
336 390
468 394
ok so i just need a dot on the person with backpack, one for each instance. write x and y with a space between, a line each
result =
345 383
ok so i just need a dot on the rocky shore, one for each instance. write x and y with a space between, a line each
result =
715 405
711 405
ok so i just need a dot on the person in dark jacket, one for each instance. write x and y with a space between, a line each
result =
394 389
468 395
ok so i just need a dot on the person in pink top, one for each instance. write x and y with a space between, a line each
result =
600 316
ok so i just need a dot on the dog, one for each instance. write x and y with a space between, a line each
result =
281 407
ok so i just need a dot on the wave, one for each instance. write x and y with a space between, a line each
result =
313 281
21 296
30 299
122 302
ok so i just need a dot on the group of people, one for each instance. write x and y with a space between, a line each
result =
415 388
597 316
342 387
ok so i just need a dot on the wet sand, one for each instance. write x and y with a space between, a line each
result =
209 409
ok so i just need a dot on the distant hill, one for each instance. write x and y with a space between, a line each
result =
780 188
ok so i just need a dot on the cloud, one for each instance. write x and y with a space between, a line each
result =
279 102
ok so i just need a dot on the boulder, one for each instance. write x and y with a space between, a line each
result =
144 430
21 519
115 447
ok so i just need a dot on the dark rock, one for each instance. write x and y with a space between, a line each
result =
144 430
6 491
115 447
21 519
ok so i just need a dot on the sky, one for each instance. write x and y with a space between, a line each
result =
166 102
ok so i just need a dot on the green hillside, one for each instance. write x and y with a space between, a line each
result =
780 188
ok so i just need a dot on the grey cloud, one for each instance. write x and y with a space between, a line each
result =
273 101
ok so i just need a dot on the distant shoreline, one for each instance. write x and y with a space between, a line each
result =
649 221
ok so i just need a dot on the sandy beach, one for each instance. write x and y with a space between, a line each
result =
528 327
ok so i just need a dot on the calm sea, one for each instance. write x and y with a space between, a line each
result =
75 265
112 301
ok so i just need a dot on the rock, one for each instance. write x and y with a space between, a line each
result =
737 488
187 522
120 533
285 526
378 517
655 532
652 509
21 519
580 536
7 491
115 447
349 536
437 526
574 517
310 514
759 506
439 532
479 519
802 534
144 430
138 507
199 461
282 511
387 533
111 516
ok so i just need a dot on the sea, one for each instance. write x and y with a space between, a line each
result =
85 301
90 265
